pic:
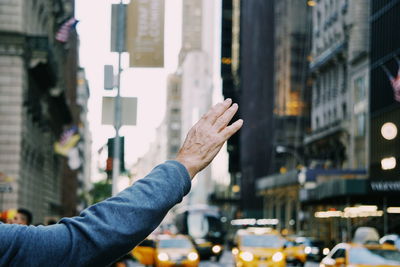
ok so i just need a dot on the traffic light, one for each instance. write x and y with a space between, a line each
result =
110 145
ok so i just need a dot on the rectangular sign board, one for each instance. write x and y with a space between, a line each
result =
128 111
145 33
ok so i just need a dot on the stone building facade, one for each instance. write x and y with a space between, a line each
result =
337 146
36 75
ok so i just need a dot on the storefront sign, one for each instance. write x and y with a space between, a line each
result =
385 186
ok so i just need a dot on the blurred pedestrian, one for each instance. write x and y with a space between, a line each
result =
110 229
23 216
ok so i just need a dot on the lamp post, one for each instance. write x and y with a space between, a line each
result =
117 119
283 149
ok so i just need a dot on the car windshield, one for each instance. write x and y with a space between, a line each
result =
310 242
374 256
262 241
175 243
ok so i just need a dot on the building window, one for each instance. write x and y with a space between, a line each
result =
335 114
343 80
344 110
360 124
174 149
175 126
359 89
335 82
329 117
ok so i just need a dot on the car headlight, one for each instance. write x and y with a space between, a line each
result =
326 251
235 251
216 249
307 250
246 256
278 256
193 256
163 256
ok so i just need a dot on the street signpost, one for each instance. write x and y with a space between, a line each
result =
138 29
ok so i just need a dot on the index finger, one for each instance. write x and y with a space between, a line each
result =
217 110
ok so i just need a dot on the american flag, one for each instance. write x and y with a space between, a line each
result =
62 34
396 87
394 80
67 134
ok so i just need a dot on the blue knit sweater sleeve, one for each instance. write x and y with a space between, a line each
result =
103 232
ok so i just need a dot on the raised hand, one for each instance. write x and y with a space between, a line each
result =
206 137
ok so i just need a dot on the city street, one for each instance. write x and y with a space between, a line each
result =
207 132
225 261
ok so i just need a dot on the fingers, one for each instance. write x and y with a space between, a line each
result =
216 111
232 129
226 117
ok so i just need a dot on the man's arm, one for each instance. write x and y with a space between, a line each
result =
103 232
107 230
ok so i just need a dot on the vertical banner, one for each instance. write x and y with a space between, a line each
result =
145 33
118 20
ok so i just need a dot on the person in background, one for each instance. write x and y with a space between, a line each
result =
23 216
104 232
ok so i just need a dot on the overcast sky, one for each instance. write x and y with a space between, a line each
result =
149 85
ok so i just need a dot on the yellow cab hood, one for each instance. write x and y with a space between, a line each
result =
262 252
176 251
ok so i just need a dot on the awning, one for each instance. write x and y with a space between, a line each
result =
277 180
335 188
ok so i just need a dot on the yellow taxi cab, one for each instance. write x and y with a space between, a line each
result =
295 253
362 255
145 252
175 250
259 247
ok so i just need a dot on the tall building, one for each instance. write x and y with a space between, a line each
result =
173 115
191 88
230 74
384 112
85 146
37 82
256 99
292 47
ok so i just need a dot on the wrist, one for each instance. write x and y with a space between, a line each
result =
189 167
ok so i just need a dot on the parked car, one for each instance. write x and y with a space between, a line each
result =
361 255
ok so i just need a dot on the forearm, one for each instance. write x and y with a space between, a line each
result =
111 228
